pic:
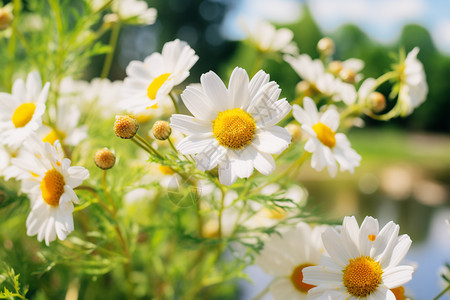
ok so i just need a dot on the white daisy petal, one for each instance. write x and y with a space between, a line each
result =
199 104
274 140
196 143
257 82
216 91
189 125
332 243
239 88
397 276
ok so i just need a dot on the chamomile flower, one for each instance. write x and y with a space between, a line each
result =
320 82
233 128
413 85
326 145
267 38
151 81
49 180
66 128
21 111
361 262
285 256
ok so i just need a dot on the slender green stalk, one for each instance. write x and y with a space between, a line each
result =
442 293
257 65
112 43
108 196
147 144
175 102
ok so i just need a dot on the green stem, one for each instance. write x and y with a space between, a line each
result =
175 102
112 43
257 65
442 293
108 196
143 141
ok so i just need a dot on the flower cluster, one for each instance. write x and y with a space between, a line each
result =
178 188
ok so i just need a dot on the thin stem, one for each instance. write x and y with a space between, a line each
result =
258 62
143 141
149 151
108 196
443 292
222 201
175 102
172 145
96 196
112 43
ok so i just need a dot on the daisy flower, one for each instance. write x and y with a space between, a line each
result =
66 128
362 263
267 38
319 81
327 147
134 12
21 111
413 85
49 180
151 81
233 128
286 255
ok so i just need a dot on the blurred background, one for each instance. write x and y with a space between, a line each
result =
405 169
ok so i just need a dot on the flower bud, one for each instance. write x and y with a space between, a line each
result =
125 127
335 67
295 131
6 17
326 46
104 159
161 130
377 101
347 75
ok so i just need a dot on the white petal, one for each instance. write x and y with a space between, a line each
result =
311 109
273 140
215 90
196 143
257 82
210 156
369 228
226 174
301 116
189 125
333 243
273 114
239 89
400 250
331 119
77 176
397 276
317 275
264 163
199 104
350 234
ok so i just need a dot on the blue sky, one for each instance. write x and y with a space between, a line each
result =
381 19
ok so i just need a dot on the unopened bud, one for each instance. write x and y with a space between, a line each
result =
303 88
161 130
6 17
347 75
326 46
104 159
125 127
295 131
335 67
377 101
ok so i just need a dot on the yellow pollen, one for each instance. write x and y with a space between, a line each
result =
155 85
297 279
372 237
52 187
325 134
23 114
53 136
399 293
234 128
166 170
362 276
34 174
275 212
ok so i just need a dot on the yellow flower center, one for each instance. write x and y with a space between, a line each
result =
53 136
234 128
156 84
275 212
362 276
23 114
166 170
325 134
52 187
297 279
399 293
